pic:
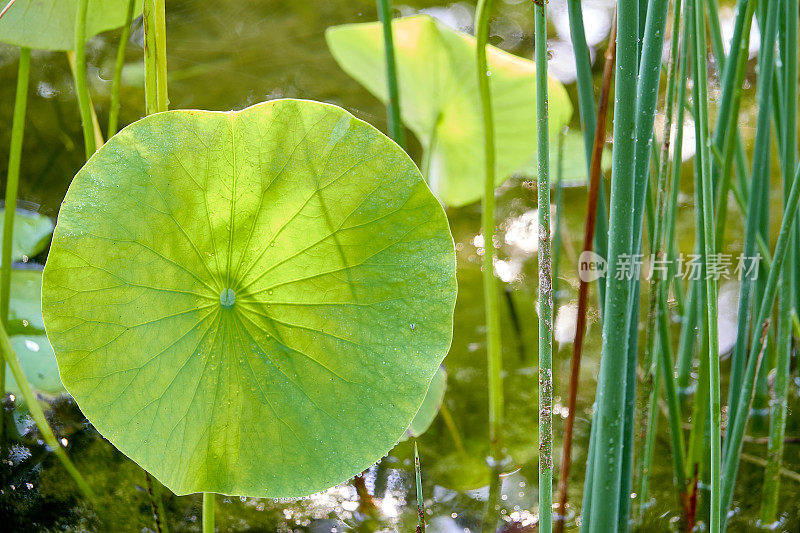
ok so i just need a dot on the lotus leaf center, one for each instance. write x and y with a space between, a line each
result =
227 298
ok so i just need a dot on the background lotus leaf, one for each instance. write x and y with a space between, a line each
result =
439 99
50 24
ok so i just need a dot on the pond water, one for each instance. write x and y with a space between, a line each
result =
230 54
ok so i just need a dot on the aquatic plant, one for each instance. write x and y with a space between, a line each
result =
593 199
607 453
46 25
248 342
23 308
778 403
494 355
258 302
393 100
440 103
51 24
113 108
545 276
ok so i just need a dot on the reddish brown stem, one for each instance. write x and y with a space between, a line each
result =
8 6
366 504
583 291
690 507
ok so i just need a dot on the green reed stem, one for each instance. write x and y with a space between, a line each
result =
714 28
12 186
689 314
698 443
595 217
687 338
113 110
724 137
726 113
393 106
736 431
649 441
490 293
589 229
759 409
679 59
657 304
208 512
694 302
610 403
777 76
694 453
82 91
673 404
700 406
545 276
646 101
161 53
37 414
559 206
726 65
778 400
586 500
420 498
588 115
778 404
759 188
155 57
98 135
709 249
150 65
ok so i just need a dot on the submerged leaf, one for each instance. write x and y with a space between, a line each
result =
430 406
26 327
252 302
25 307
38 362
31 233
439 99
50 24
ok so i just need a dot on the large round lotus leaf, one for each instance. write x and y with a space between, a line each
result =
31 233
50 24
252 302
440 103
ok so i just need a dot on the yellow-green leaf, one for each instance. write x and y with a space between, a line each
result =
50 24
251 302
439 99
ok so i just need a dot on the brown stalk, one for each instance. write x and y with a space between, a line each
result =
690 506
153 505
366 504
583 291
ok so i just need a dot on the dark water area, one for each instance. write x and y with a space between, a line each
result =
231 54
